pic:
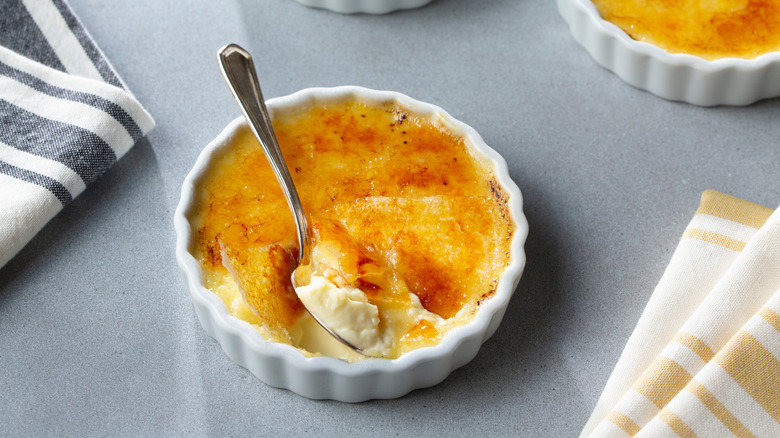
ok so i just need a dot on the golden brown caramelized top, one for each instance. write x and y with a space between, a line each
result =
710 29
400 201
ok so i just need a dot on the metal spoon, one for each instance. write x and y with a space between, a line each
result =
239 73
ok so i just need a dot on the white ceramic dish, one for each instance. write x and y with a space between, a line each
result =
364 6
687 78
284 366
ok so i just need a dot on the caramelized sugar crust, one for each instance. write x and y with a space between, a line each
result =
710 29
262 274
402 203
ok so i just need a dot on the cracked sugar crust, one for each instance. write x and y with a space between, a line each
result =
422 211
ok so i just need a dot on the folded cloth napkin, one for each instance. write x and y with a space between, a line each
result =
704 358
65 116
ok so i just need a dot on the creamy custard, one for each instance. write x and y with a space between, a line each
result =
710 29
408 219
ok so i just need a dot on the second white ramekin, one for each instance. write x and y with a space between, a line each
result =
673 76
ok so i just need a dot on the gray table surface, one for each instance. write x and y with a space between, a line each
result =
97 332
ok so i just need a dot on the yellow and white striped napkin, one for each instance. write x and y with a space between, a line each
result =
704 359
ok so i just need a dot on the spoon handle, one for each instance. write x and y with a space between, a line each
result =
238 70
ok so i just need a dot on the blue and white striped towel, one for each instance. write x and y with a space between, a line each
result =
65 116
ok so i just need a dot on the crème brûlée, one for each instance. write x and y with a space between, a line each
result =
412 229
710 29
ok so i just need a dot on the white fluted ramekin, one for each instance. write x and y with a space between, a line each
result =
284 366
364 6
673 76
